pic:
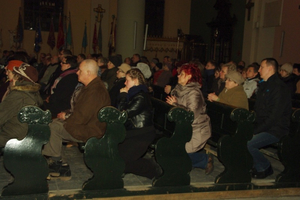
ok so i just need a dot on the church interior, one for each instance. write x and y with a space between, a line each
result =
222 30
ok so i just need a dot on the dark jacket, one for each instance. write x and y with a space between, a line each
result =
83 123
61 96
273 107
109 76
138 106
218 85
114 92
290 81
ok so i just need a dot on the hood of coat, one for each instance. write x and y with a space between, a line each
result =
181 90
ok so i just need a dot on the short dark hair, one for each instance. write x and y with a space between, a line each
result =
82 56
271 61
72 61
296 66
255 67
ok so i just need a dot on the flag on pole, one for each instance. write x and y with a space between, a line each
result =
69 34
38 37
112 36
1 42
100 38
20 31
51 36
60 35
84 39
95 39
65 31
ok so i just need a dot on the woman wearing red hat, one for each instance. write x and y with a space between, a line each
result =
22 91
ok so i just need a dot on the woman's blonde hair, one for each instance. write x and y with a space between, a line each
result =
137 74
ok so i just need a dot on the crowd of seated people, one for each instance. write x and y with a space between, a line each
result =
75 88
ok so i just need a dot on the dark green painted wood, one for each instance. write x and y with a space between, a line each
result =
24 159
170 152
289 152
102 156
233 151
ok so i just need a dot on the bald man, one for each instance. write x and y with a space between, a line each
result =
83 123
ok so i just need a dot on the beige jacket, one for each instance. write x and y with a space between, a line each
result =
191 98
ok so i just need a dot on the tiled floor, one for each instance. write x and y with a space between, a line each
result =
80 173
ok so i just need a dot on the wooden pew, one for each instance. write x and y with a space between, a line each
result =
231 130
24 159
175 124
101 155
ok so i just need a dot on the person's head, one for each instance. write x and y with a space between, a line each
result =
136 58
54 59
42 57
242 63
296 69
189 73
80 58
123 69
268 67
166 59
127 60
48 60
144 59
210 65
286 70
154 62
167 67
217 72
110 65
233 79
223 72
68 62
102 61
63 53
25 72
87 71
134 77
10 67
252 71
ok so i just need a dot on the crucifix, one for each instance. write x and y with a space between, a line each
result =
249 5
99 10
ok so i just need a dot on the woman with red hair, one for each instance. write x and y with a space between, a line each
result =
187 94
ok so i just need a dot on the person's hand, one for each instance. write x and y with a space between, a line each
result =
212 97
171 100
61 115
47 99
124 89
167 89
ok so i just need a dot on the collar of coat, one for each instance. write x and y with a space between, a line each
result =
26 86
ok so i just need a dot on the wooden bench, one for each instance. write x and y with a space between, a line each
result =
101 155
175 125
24 159
287 149
231 130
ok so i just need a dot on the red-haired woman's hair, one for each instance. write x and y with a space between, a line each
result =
192 69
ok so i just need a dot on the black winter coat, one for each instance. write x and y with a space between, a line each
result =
273 107
139 110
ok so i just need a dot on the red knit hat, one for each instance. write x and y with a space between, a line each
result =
13 63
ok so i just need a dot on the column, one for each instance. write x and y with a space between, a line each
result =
130 27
